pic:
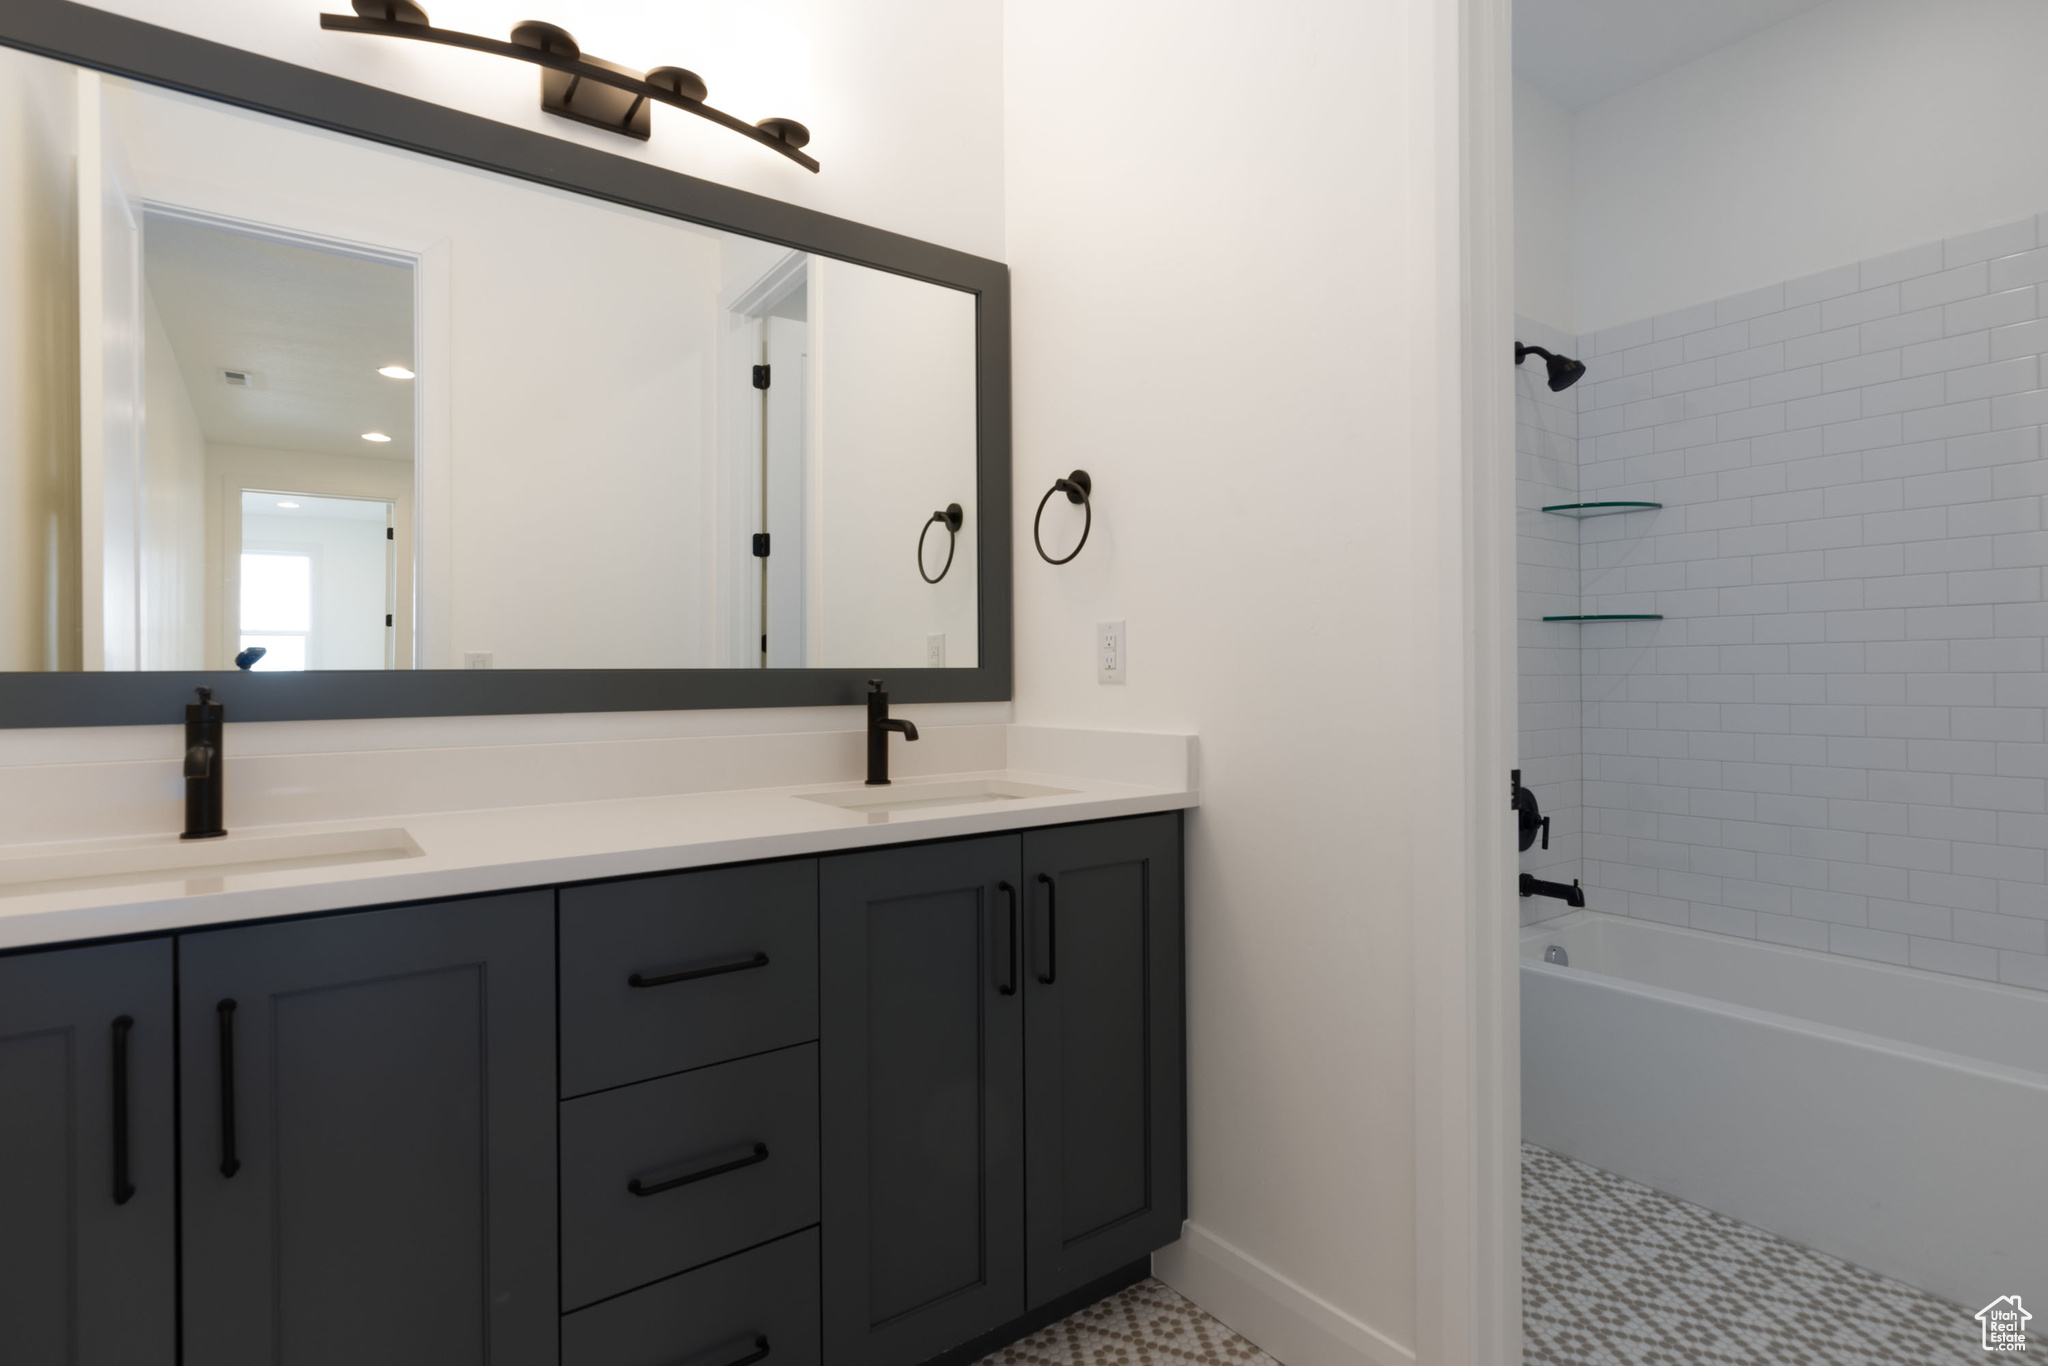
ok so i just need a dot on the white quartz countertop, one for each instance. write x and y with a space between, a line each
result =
500 848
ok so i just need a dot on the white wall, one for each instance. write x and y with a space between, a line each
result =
1213 230
39 607
174 509
892 402
1543 210
1857 129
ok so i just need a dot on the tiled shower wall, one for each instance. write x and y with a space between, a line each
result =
1547 548
1834 739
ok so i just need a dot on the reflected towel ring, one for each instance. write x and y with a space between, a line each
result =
1077 486
951 520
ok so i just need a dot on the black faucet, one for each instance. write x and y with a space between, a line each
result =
880 723
204 776
1573 895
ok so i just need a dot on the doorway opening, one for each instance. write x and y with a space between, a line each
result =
319 582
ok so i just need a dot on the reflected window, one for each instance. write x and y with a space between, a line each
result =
277 608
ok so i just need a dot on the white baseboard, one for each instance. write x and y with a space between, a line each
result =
1290 1322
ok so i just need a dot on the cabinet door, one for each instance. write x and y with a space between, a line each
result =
921 1083
87 1211
376 1181
1104 1049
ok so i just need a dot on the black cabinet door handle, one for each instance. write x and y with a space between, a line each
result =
757 1154
1009 986
751 1350
1050 972
229 1163
718 969
124 1190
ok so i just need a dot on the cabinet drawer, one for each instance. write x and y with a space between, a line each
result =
695 943
669 1174
760 1307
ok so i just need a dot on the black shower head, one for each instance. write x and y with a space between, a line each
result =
1564 371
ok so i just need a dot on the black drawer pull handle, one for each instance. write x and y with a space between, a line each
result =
1009 986
758 960
755 1350
1052 943
124 1190
229 1163
757 1155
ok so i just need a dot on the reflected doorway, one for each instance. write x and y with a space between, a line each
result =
318 582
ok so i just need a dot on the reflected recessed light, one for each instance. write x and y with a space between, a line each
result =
394 372
375 436
284 504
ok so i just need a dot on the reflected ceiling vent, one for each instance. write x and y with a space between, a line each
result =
240 379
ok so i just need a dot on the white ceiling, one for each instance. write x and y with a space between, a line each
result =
1579 52
311 326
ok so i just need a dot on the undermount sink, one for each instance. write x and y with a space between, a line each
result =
919 796
30 869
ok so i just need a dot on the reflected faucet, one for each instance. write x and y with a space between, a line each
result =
204 778
880 723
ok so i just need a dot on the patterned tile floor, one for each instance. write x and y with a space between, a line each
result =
1613 1274
1145 1325
1616 1274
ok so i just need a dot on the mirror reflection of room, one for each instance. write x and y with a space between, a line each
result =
589 436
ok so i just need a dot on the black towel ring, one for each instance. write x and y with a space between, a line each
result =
950 519
1077 486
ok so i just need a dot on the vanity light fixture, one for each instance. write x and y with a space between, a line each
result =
394 372
588 89
377 437
283 504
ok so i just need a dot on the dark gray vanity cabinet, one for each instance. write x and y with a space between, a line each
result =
1104 1045
921 1092
368 1120
1002 1078
87 1204
859 1110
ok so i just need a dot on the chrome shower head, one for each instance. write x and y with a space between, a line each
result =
1564 371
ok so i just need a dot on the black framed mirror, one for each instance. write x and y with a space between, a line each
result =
386 409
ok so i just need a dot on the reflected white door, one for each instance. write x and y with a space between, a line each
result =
782 480
110 387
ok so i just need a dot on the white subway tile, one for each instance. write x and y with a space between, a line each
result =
1823 285
1987 311
1950 353
1999 377
1904 329
2021 268
1682 321
1963 960
1853 309
1796 322
2004 240
2022 970
1858 942
1945 287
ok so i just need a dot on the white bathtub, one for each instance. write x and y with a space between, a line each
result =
1896 1119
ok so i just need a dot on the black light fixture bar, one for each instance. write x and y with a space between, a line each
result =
545 46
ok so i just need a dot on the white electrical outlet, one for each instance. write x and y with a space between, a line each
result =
935 650
1109 652
477 659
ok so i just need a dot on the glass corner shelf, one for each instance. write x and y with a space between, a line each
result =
1597 509
1614 616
